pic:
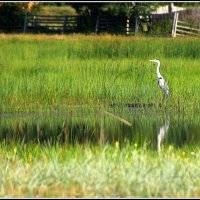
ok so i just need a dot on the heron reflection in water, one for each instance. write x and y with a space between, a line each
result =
162 132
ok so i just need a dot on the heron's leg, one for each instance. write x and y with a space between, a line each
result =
163 99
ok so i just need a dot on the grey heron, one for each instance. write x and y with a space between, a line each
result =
161 81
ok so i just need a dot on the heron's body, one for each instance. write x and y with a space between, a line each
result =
161 81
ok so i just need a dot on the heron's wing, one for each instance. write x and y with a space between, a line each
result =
166 88
161 82
163 85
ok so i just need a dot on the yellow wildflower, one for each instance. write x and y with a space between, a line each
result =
135 145
170 148
15 150
30 158
117 144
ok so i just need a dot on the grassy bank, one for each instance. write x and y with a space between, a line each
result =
85 171
38 71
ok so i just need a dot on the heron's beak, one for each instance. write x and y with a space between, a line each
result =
152 60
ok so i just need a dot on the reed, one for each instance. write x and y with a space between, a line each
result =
40 71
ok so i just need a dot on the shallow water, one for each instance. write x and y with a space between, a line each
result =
84 126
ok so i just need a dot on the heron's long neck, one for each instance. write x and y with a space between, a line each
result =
158 72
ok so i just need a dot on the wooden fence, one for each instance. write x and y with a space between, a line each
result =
70 24
47 24
43 23
182 28
103 23
111 24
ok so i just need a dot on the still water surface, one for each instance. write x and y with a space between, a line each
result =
82 126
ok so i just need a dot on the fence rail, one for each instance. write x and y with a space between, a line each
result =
45 23
183 28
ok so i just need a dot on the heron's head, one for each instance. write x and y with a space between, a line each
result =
155 60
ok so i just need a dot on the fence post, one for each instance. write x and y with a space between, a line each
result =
136 25
34 22
97 25
175 24
65 22
199 27
127 26
25 23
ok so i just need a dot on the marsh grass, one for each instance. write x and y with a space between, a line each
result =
75 76
38 71
92 171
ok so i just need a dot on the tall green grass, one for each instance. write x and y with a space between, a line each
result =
96 70
98 172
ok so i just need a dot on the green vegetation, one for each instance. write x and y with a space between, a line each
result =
56 10
38 72
92 171
117 9
55 140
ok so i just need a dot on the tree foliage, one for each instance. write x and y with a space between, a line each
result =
18 8
11 14
130 9
90 9
116 9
